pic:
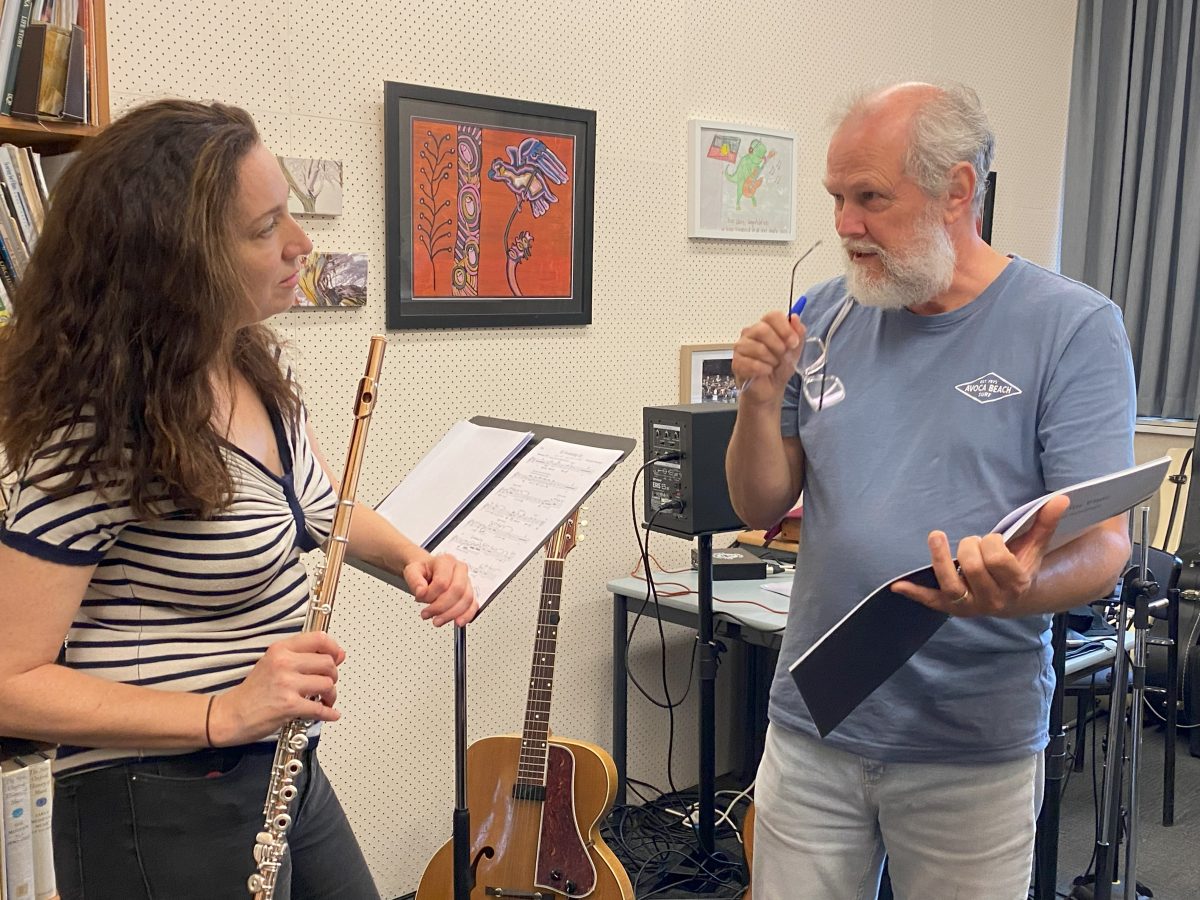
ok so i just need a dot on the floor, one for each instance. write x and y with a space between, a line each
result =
659 851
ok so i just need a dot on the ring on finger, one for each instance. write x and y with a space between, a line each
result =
965 596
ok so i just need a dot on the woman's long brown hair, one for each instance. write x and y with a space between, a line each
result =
131 298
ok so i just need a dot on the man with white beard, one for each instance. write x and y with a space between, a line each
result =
936 386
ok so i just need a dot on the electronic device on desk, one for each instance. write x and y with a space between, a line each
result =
686 491
733 564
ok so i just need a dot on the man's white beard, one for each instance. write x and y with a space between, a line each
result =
911 276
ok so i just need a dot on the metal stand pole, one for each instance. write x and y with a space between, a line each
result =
1136 584
1110 797
464 876
708 698
1144 589
1046 848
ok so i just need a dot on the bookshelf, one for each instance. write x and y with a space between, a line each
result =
50 136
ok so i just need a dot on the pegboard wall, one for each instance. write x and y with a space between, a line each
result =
312 75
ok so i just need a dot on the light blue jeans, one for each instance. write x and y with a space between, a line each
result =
824 819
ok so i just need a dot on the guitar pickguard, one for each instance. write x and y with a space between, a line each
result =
563 863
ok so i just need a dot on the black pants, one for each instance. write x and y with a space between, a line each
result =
183 828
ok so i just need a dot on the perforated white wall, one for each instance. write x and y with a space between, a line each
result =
311 72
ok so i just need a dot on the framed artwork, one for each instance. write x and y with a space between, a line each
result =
741 182
489 210
706 374
337 280
314 186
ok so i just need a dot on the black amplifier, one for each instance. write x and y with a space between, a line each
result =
692 486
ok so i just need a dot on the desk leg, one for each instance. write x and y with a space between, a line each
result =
620 709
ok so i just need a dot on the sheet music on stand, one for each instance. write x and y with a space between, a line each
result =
449 477
515 503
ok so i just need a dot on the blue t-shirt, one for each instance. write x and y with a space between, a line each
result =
947 422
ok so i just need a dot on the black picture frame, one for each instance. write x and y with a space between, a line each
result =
445 305
989 206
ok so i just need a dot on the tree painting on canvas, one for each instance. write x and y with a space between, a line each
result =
332 279
492 211
314 186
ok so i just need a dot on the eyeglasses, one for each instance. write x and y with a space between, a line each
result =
792 286
821 389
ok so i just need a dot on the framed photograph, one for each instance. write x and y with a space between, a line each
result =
741 182
489 210
706 374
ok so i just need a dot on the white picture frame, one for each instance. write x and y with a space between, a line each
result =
741 182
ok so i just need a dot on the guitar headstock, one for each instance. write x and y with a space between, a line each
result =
563 540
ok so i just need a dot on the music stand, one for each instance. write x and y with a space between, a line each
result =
464 873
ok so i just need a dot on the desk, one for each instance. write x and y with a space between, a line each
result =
734 617
754 626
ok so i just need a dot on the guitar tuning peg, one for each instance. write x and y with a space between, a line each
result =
583 524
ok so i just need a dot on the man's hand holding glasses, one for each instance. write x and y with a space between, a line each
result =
769 350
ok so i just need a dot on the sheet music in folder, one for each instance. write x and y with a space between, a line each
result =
449 477
885 629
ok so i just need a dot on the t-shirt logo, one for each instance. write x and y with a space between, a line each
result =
988 388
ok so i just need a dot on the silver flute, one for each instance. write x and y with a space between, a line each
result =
270 846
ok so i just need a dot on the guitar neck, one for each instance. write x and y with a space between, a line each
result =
531 769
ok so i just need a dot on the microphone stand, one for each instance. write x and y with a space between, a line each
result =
1137 585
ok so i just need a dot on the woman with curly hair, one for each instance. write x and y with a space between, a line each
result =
168 481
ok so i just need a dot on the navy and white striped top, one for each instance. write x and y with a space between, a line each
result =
179 603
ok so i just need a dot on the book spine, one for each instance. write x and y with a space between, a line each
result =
41 808
8 275
39 176
29 186
10 77
8 171
18 833
11 232
8 26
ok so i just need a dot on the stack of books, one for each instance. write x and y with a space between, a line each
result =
25 181
26 845
47 59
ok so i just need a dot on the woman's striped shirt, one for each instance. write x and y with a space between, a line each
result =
178 603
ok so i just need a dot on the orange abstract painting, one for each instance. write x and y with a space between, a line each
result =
492 211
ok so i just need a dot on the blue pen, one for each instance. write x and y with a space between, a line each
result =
797 307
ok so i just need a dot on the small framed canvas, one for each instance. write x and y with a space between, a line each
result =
741 182
706 374
332 280
314 186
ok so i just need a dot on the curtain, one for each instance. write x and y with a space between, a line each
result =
1131 191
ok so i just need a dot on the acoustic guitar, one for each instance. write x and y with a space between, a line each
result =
536 802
